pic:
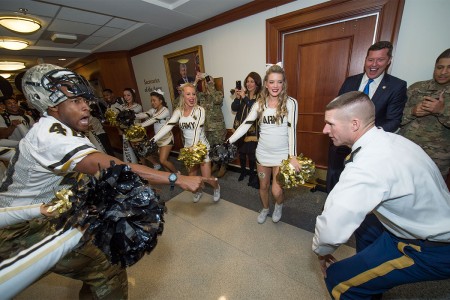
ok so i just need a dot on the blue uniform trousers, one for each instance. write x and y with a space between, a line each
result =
369 230
386 263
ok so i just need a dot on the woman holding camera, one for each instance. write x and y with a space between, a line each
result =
245 98
277 114
191 119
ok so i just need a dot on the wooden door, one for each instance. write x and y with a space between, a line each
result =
318 61
320 46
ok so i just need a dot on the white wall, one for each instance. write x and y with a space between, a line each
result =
230 51
235 49
424 34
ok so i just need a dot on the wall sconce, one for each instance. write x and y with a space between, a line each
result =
13 44
11 65
20 24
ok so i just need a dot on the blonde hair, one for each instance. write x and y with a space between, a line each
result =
182 88
282 97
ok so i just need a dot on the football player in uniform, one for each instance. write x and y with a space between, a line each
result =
50 156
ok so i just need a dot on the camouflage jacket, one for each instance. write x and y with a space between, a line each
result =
431 132
212 102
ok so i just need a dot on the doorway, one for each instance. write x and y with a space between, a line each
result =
320 46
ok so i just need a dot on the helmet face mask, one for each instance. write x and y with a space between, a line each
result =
48 85
74 85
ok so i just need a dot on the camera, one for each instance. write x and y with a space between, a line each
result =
238 85
208 78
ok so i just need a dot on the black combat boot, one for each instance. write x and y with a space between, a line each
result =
243 161
253 181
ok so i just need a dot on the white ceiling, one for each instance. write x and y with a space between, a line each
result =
102 25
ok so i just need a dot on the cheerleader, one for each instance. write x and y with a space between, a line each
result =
277 114
129 97
158 116
191 119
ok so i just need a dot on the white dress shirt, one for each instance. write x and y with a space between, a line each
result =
398 181
373 86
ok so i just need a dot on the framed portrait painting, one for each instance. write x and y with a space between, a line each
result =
182 67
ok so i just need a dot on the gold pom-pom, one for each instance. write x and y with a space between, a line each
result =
135 133
110 116
61 202
194 155
288 177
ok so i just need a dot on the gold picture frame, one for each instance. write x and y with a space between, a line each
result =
192 58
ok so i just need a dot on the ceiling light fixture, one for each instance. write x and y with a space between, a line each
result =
5 75
11 65
13 44
20 24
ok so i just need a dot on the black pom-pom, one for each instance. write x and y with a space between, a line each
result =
223 153
124 214
145 148
126 118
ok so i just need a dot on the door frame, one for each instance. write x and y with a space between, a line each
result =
389 12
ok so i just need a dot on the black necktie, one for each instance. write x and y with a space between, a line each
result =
349 157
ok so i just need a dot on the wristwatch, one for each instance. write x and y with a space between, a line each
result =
172 178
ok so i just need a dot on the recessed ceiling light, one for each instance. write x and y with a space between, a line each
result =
61 59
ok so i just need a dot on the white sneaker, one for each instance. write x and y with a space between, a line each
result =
197 197
276 216
217 194
263 215
157 167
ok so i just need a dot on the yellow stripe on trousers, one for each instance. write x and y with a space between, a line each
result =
381 270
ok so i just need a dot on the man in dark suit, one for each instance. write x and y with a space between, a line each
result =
387 92
185 78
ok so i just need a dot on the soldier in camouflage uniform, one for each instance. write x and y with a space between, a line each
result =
49 157
426 118
212 101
